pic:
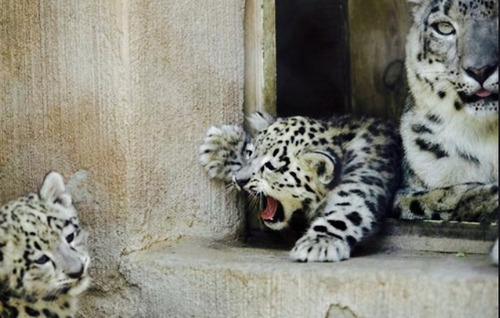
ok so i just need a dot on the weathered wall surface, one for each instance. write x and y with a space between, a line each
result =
121 92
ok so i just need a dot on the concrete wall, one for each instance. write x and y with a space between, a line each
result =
120 92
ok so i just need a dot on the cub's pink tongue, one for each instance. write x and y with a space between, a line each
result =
270 210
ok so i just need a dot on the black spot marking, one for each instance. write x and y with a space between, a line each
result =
435 149
419 129
308 188
469 157
343 204
49 298
296 179
321 169
339 139
446 7
323 229
433 118
441 94
371 180
358 193
320 228
50 314
372 207
355 218
351 240
353 167
342 194
339 225
31 312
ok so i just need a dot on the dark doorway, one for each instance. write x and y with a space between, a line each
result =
312 57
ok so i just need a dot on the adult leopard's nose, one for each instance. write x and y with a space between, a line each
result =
481 74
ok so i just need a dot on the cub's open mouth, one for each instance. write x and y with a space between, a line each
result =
271 209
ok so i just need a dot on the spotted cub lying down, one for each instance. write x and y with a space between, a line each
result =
339 174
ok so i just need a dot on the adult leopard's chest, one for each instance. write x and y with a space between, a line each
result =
447 153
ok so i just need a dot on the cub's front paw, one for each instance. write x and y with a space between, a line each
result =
318 247
221 153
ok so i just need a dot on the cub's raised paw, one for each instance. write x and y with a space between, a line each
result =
317 247
221 153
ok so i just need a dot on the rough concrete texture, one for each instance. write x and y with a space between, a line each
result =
121 92
197 280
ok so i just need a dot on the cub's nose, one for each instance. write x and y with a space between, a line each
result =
241 182
77 274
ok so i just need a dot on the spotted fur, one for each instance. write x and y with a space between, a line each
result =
450 124
43 259
338 175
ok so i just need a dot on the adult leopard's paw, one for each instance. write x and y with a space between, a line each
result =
317 247
221 153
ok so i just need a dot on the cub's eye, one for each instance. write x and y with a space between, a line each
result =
70 237
270 166
444 28
42 260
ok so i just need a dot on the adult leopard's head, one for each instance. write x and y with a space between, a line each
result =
286 169
452 56
42 246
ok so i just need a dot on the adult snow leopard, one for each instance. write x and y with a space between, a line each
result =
43 259
449 127
339 175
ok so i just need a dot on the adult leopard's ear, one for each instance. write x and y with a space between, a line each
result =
319 163
53 190
259 121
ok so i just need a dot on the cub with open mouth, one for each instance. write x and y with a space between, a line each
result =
339 174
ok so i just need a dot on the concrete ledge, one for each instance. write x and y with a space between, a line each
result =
437 236
198 279
426 236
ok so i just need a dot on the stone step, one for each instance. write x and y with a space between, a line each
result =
202 279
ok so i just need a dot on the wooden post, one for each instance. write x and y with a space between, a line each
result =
260 56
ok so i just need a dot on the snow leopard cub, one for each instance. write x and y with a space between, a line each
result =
43 257
339 174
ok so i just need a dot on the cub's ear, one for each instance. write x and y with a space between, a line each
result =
259 121
321 164
54 191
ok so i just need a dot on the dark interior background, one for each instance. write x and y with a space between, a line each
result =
312 57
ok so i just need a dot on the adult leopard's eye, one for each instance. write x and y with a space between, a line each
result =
444 28
42 260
